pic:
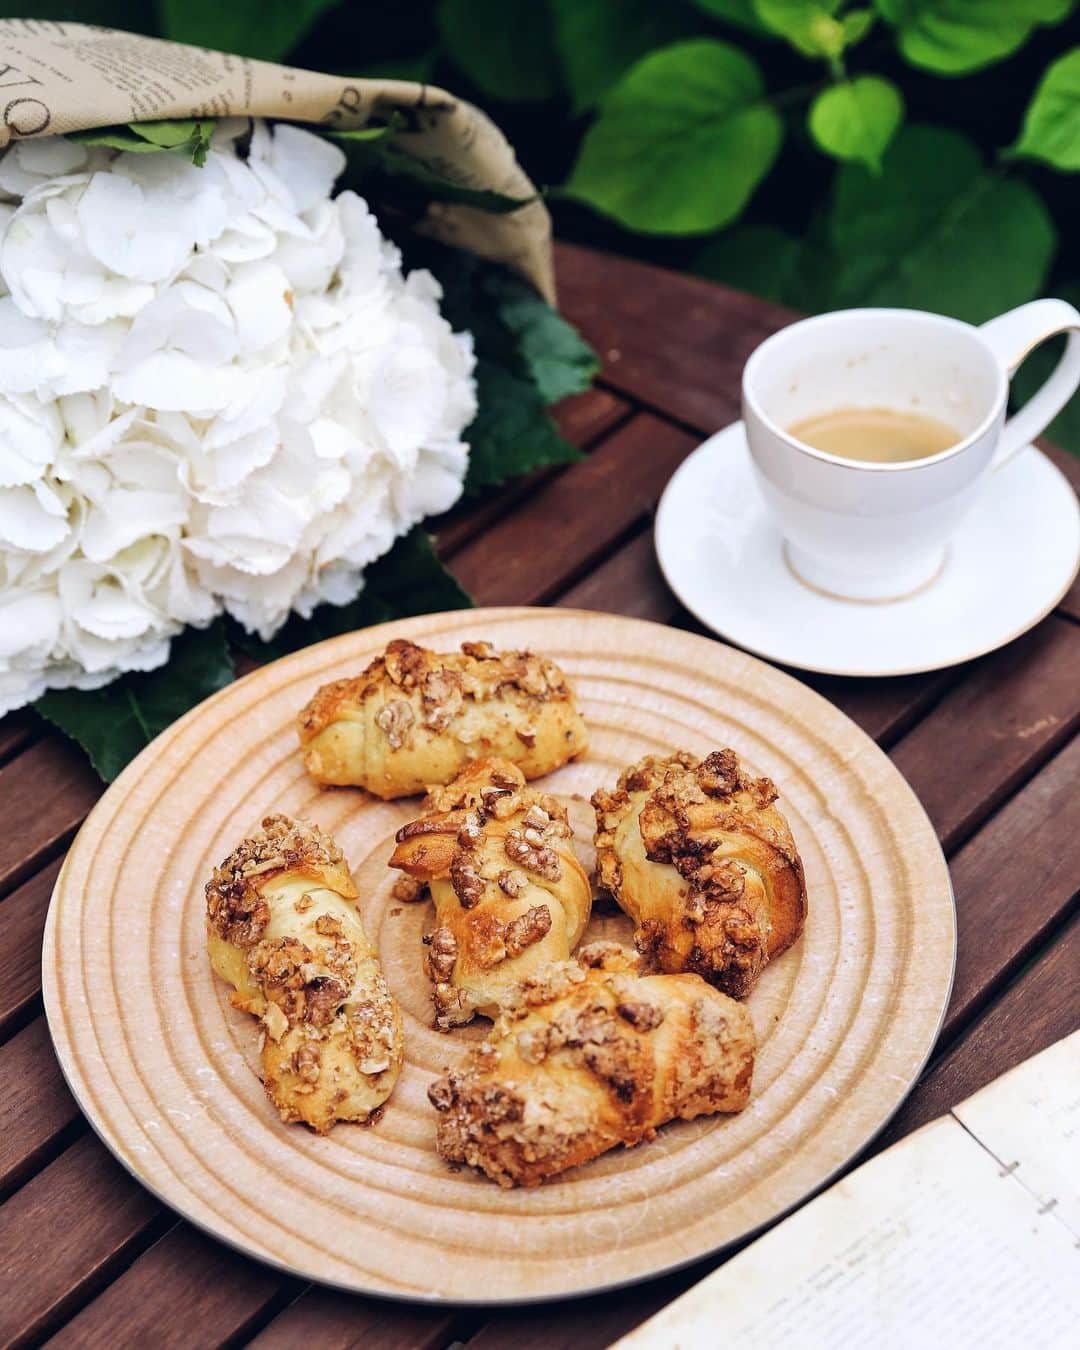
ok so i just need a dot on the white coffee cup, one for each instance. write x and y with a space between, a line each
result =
876 531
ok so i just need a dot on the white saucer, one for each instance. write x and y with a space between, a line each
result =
1013 559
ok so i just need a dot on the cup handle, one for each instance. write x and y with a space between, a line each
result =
1012 337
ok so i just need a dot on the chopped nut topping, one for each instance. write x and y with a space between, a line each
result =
441 698
275 1021
441 1094
534 858
641 1016
395 719
306 1063
500 800
327 925
404 662
526 929
479 651
512 882
534 1045
606 956
408 890
442 953
470 833
466 880
235 909
303 903
536 818
715 825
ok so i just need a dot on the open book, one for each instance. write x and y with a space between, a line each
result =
966 1234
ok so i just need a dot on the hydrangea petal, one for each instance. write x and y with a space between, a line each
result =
217 390
28 523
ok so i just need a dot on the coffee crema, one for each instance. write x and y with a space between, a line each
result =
875 435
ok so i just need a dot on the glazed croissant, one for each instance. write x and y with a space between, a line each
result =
509 892
283 930
703 862
415 718
587 1055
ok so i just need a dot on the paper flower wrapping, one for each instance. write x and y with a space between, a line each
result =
218 392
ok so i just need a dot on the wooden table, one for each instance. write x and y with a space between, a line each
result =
91 1259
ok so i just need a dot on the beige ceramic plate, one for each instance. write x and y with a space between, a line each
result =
164 1068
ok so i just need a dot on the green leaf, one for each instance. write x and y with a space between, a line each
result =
761 259
857 119
936 230
1051 129
739 12
512 433
147 137
1064 430
506 47
555 356
113 724
597 40
407 580
809 25
265 29
681 142
856 23
952 37
365 135
193 137
115 138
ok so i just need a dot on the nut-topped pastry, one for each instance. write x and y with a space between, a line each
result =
509 892
415 718
586 1055
697 854
283 929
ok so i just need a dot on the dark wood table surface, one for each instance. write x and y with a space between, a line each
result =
89 1258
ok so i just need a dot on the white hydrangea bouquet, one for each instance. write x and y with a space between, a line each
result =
226 402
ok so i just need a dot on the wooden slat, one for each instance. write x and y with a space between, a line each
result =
1013 882
586 417
575 518
628 582
22 920
17 730
583 420
675 342
46 792
329 1320
587 1323
184 1291
454 530
64 1233
994 729
1041 1007
884 708
36 1109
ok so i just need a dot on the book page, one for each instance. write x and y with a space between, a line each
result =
1029 1119
929 1245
